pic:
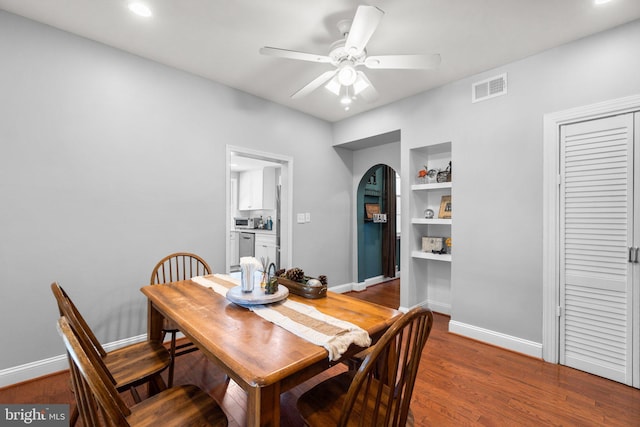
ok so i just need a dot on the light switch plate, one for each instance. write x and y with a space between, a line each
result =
307 217
300 218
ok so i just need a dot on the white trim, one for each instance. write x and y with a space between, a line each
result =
341 289
438 307
286 211
519 345
39 368
550 206
374 281
435 306
359 287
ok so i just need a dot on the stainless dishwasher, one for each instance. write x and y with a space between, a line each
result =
247 244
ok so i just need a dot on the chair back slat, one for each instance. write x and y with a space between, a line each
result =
80 329
87 405
62 297
97 397
179 266
381 389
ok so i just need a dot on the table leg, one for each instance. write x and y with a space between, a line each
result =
154 323
263 406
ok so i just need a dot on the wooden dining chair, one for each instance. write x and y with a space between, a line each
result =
174 267
129 366
101 405
379 392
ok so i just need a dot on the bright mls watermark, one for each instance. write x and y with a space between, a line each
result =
34 415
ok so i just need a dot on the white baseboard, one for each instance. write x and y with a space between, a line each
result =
39 368
519 345
341 289
373 281
438 307
359 286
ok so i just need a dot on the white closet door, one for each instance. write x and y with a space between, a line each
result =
596 231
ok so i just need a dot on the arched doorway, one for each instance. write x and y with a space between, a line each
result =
378 237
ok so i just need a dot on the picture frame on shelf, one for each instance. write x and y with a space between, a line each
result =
370 210
445 207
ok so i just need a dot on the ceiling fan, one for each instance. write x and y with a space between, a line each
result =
348 54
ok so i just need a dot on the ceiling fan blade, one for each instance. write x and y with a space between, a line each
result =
315 84
420 62
364 24
368 92
293 54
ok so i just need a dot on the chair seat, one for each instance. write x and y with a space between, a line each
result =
100 403
178 406
322 405
134 364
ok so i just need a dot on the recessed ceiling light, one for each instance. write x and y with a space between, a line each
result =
140 9
599 2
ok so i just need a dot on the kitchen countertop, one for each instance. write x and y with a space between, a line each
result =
255 230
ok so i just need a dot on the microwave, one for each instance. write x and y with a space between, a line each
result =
244 223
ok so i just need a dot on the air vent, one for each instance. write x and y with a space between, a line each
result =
489 88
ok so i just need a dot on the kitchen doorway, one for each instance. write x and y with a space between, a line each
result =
282 223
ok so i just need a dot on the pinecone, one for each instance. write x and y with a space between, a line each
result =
323 279
280 272
295 274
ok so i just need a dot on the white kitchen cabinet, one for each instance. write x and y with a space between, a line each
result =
266 247
257 189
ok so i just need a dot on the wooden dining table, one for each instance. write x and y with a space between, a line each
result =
264 359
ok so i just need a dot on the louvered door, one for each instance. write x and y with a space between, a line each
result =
596 234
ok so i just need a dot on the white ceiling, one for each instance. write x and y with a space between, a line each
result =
220 39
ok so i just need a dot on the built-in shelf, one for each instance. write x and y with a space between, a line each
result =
429 274
427 255
431 186
431 221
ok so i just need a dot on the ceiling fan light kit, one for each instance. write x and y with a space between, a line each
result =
346 73
349 53
333 86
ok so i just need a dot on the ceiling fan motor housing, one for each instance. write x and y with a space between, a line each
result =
338 54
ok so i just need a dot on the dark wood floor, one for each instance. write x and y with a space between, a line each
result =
461 382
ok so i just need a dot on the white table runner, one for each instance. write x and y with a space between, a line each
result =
307 322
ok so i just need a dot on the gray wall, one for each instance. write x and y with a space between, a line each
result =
497 163
109 161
